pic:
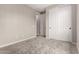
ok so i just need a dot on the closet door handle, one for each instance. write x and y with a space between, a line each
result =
70 28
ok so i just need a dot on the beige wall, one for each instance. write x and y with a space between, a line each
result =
17 22
42 25
78 27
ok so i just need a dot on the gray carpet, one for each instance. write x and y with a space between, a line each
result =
40 45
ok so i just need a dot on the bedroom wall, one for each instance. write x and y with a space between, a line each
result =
42 24
17 22
74 23
78 27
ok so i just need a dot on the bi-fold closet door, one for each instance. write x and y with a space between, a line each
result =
59 22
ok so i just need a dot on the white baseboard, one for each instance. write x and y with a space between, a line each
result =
11 43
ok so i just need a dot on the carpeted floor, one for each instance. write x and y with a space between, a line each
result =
40 45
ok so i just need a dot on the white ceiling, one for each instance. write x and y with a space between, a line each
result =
39 7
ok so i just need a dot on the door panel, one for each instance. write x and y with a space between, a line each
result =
60 23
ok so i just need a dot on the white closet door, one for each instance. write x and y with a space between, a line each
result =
60 23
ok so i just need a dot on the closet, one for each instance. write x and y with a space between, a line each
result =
59 23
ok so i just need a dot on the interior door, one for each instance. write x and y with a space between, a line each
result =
60 23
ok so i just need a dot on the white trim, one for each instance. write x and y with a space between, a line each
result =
11 43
